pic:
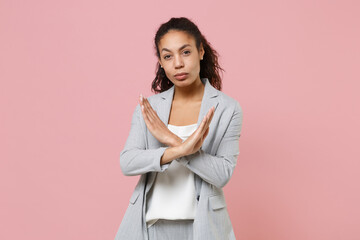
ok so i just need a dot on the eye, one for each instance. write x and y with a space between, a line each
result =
187 51
165 57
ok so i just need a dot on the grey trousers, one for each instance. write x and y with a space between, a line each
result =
165 229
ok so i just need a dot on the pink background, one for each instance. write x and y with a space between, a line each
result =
71 73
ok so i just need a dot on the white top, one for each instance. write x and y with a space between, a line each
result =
173 195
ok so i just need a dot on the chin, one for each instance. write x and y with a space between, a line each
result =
187 80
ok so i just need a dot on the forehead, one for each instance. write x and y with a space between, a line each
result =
174 39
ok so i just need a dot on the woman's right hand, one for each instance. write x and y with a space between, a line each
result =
194 142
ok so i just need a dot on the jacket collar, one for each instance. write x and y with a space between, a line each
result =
210 98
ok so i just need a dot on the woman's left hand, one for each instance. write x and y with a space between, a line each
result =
156 126
194 142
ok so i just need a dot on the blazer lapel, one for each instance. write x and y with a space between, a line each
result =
209 99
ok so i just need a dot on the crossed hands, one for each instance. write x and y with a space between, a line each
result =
158 129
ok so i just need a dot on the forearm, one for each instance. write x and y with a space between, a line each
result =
215 170
170 154
174 141
136 161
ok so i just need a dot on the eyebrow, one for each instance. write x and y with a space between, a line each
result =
183 46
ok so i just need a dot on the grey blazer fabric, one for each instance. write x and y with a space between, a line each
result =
213 164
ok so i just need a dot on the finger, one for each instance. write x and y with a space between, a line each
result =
201 128
147 110
211 114
206 132
143 113
143 110
151 111
147 120
207 120
198 134
140 101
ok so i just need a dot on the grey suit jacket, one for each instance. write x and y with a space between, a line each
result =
212 165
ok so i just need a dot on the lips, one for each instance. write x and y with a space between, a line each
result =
180 74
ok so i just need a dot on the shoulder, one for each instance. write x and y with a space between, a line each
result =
229 102
231 110
155 98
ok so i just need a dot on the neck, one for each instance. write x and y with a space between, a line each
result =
193 92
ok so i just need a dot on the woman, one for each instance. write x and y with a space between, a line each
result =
184 143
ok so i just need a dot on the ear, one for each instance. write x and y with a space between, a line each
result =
202 51
160 63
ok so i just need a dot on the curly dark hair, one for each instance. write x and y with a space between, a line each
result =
209 66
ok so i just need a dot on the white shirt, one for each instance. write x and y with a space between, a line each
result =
173 195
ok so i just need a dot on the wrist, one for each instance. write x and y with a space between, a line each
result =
174 141
179 151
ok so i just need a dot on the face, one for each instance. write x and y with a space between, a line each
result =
178 54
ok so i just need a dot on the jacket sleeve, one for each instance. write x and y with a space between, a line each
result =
217 170
134 158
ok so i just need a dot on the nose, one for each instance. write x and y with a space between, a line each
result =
179 62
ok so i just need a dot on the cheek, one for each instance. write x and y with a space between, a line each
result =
168 74
195 65
192 62
166 68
